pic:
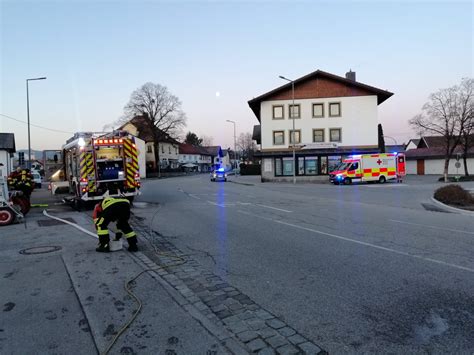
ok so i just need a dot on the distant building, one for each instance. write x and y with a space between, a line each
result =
7 148
333 116
192 158
168 146
428 157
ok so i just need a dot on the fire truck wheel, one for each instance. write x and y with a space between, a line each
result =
382 179
6 216
347 181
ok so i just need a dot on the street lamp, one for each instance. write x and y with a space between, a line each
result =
235 149
292 113
28 115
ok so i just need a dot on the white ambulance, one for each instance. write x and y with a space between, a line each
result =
370 167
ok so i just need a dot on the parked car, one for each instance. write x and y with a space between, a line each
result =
219 174
36 179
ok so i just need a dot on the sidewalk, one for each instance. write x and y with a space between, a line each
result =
60 296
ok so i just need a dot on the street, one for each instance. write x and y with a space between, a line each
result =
361 268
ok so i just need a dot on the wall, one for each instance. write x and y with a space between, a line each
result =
358 121
436 167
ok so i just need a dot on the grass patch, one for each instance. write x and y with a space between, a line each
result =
454 195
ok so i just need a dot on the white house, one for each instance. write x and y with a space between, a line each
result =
194 158
168 147
7 148
428 158
332 116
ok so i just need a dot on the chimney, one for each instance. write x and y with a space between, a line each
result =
351 75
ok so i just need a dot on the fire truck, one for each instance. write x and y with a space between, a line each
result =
370 167
99 165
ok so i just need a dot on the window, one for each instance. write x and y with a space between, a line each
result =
335 135
300 169
169 150
354 166
278 112
148 149
278 137
284 166
162 148
295 136
324 165
334 161
294 111
318 110
311 166
278 168
318 135
334 109
287 166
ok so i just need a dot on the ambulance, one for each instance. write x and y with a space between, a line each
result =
370 167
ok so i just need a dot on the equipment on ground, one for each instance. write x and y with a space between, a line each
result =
370 167
9 212
101 165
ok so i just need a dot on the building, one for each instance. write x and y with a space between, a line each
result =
168 146
193 158
217 157
7 148
333 117
427 158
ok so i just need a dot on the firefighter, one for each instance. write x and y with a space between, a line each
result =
24 181
114 210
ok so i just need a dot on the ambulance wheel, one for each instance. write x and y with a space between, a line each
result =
347 181
6 216
382 179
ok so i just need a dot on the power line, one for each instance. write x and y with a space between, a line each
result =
48 129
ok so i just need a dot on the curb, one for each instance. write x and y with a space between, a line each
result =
241 183
452 209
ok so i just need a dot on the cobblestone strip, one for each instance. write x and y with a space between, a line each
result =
239 323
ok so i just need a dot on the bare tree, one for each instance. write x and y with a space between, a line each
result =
163 111
444 115
207 141
247 146
466 93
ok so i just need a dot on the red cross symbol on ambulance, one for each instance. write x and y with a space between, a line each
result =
379 162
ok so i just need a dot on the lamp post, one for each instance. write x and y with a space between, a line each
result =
292 113
235 147
28 116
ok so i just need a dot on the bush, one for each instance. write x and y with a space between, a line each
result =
454 195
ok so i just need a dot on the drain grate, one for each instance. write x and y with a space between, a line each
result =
53 222
40 250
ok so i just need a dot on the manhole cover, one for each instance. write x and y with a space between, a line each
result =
53 222
40 250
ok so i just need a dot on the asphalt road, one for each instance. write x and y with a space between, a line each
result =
361 269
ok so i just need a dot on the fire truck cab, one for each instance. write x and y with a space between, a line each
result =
370 167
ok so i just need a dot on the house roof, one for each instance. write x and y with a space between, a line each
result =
145 133
213 150
189 149
7 142
382 95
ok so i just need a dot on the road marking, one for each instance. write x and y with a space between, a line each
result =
273 208
362 243
427 225
194 196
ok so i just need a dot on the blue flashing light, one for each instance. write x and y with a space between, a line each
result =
220 169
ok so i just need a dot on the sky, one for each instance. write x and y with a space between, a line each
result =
216 55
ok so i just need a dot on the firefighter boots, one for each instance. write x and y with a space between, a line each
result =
132 244
103 245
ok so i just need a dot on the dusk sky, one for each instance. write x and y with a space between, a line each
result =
216 55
